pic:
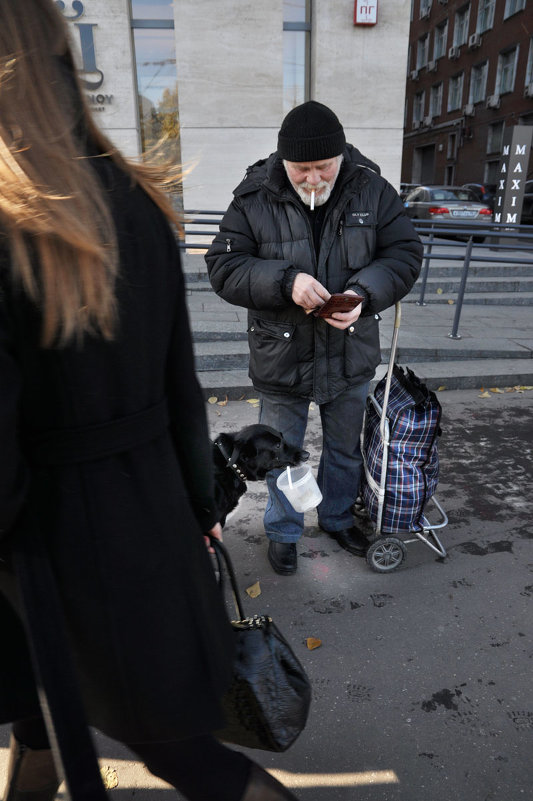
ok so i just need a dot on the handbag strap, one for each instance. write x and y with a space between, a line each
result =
224 561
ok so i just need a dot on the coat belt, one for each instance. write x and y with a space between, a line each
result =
85 443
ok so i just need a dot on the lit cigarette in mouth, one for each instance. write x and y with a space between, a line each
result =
313 200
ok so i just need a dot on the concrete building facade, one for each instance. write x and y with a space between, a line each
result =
469 80
217 77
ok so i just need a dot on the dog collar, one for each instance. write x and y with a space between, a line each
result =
230 461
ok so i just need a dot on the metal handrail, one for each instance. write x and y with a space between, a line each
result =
497 237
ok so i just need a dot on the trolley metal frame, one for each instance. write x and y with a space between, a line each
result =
387 551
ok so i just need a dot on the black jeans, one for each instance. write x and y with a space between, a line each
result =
201 768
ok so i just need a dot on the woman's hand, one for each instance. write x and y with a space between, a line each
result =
215 532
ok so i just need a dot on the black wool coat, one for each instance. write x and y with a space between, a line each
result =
367 244
149 633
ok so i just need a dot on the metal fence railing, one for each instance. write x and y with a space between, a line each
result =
463 243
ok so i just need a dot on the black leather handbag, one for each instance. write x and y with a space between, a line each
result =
267 703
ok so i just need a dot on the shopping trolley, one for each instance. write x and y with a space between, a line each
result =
388 549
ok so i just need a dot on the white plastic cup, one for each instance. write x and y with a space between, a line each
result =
299 487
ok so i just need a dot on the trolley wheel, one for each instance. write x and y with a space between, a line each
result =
386 554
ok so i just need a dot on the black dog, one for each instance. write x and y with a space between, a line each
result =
248 456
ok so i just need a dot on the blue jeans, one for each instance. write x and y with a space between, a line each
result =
339 471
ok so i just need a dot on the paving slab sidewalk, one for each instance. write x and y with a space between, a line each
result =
422 684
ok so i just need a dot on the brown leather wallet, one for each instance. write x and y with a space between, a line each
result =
338 302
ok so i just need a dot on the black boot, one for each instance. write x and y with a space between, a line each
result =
264 787
31 775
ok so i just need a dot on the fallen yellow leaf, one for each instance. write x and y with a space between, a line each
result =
509 389
496 390
313 642
109 777
252 400
440 291
484 395
254 590
524 388
224 402
451 302
212 399
440 389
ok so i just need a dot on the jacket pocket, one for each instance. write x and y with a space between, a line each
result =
362 352
273 357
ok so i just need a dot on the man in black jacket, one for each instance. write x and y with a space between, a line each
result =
315 218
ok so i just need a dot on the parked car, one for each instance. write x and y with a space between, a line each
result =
405 189
485 193
447 204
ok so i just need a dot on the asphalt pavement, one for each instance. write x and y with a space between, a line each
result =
422 683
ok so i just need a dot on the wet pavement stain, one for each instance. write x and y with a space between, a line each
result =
475 549
313 554
381 599
445 698
359 692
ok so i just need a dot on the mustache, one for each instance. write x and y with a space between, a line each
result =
316 187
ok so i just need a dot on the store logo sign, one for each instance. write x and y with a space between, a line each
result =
91 77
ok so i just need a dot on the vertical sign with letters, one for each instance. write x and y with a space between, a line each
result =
512 174
365 13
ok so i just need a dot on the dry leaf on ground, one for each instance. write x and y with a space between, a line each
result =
484 395
313 642
109 777
212 399
254 590
252 400
441 389
224 402
496 390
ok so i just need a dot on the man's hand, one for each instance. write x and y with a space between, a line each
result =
308 293
342 320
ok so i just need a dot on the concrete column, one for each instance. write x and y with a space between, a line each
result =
359 72
229 64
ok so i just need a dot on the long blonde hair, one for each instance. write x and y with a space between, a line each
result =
52 206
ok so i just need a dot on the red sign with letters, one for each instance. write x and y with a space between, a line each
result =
365 13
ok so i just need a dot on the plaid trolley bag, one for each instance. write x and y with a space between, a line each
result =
401 461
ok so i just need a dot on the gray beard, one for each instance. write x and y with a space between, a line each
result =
305 194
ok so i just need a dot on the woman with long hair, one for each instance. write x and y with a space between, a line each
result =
104 437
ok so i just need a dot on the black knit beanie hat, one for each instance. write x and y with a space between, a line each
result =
310 132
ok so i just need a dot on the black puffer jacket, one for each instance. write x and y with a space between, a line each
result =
265 239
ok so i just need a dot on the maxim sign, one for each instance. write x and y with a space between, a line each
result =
513 174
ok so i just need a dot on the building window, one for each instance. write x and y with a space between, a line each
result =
296 52
422 51
425 8
451 152
495 137
441 40
529 68
460 30
491 173
435 100
478 82
455 92
512 6
419 101
157 83
485 15
155 10
505 77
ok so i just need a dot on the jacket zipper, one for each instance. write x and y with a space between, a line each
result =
228 245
